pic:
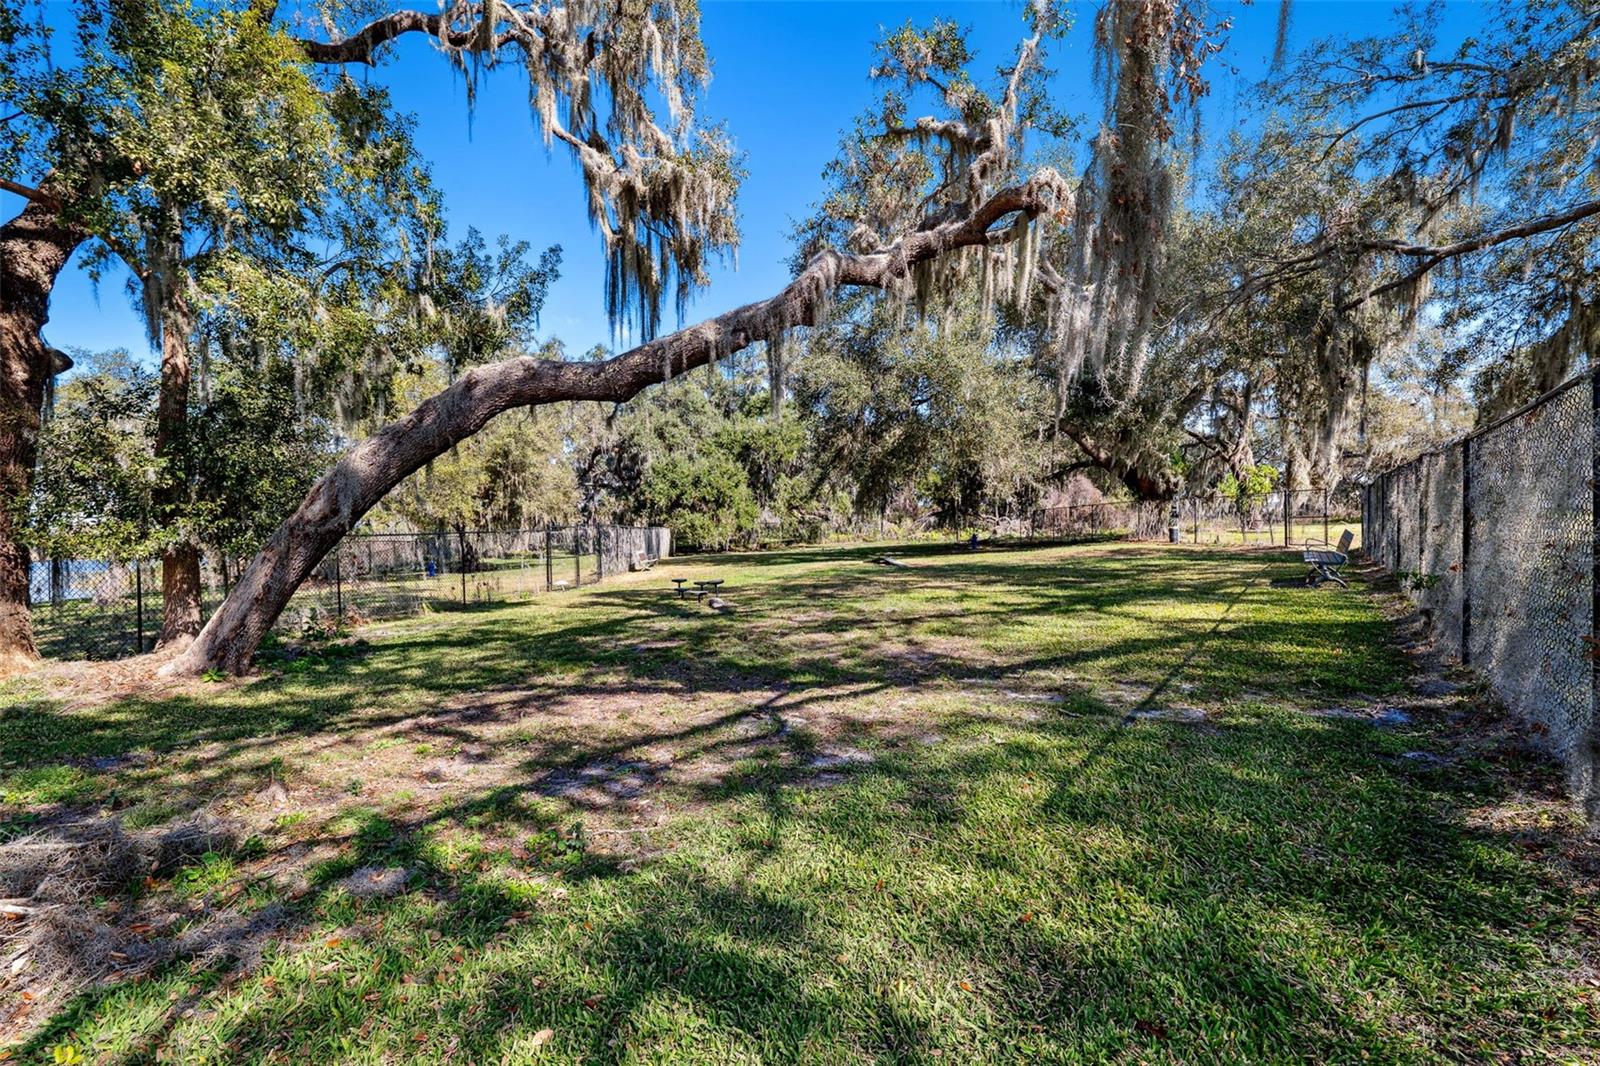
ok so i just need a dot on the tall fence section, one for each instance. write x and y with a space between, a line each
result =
1494 539
99 609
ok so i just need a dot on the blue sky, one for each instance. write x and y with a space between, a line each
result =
788 77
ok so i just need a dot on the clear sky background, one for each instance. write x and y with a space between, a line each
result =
788 77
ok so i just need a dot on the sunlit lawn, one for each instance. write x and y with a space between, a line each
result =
1058 804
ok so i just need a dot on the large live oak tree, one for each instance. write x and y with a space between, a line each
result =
660 192
367 472
34 248
987 217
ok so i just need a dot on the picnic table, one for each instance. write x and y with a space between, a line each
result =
702 589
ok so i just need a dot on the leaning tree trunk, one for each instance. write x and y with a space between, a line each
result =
180 561
34 247
365 474
1149 478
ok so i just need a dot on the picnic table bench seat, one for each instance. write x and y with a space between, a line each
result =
1326 563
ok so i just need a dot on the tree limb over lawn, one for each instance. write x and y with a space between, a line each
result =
366 473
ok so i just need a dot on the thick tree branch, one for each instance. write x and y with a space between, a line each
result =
1144 484
1532 227
370 469
952 131
362 46
28 192
1433 255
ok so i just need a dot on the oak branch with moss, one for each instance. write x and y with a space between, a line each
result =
365 473
660 189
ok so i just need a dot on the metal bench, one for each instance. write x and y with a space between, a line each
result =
1325 563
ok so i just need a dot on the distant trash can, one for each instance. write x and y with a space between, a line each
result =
1173 530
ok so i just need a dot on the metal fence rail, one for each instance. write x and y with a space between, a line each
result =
108 609
1494 538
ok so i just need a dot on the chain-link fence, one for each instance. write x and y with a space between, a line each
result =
1494 539
1296 518
107 609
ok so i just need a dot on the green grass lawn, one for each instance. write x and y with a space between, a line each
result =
1055 804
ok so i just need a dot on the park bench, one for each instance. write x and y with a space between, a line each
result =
641 561
1325 563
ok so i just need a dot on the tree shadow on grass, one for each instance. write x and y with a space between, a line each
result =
806 633
1105 887
1179 890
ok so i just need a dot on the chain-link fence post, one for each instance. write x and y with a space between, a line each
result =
338 587
1466 551
138 606
549 563
1591 780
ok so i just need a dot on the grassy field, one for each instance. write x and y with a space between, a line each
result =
1094 803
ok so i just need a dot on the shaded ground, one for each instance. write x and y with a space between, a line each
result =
1085 803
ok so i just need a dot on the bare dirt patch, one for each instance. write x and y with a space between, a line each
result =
84 684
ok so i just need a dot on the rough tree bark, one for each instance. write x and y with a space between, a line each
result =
34 248
366 473
180 561
1155 484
